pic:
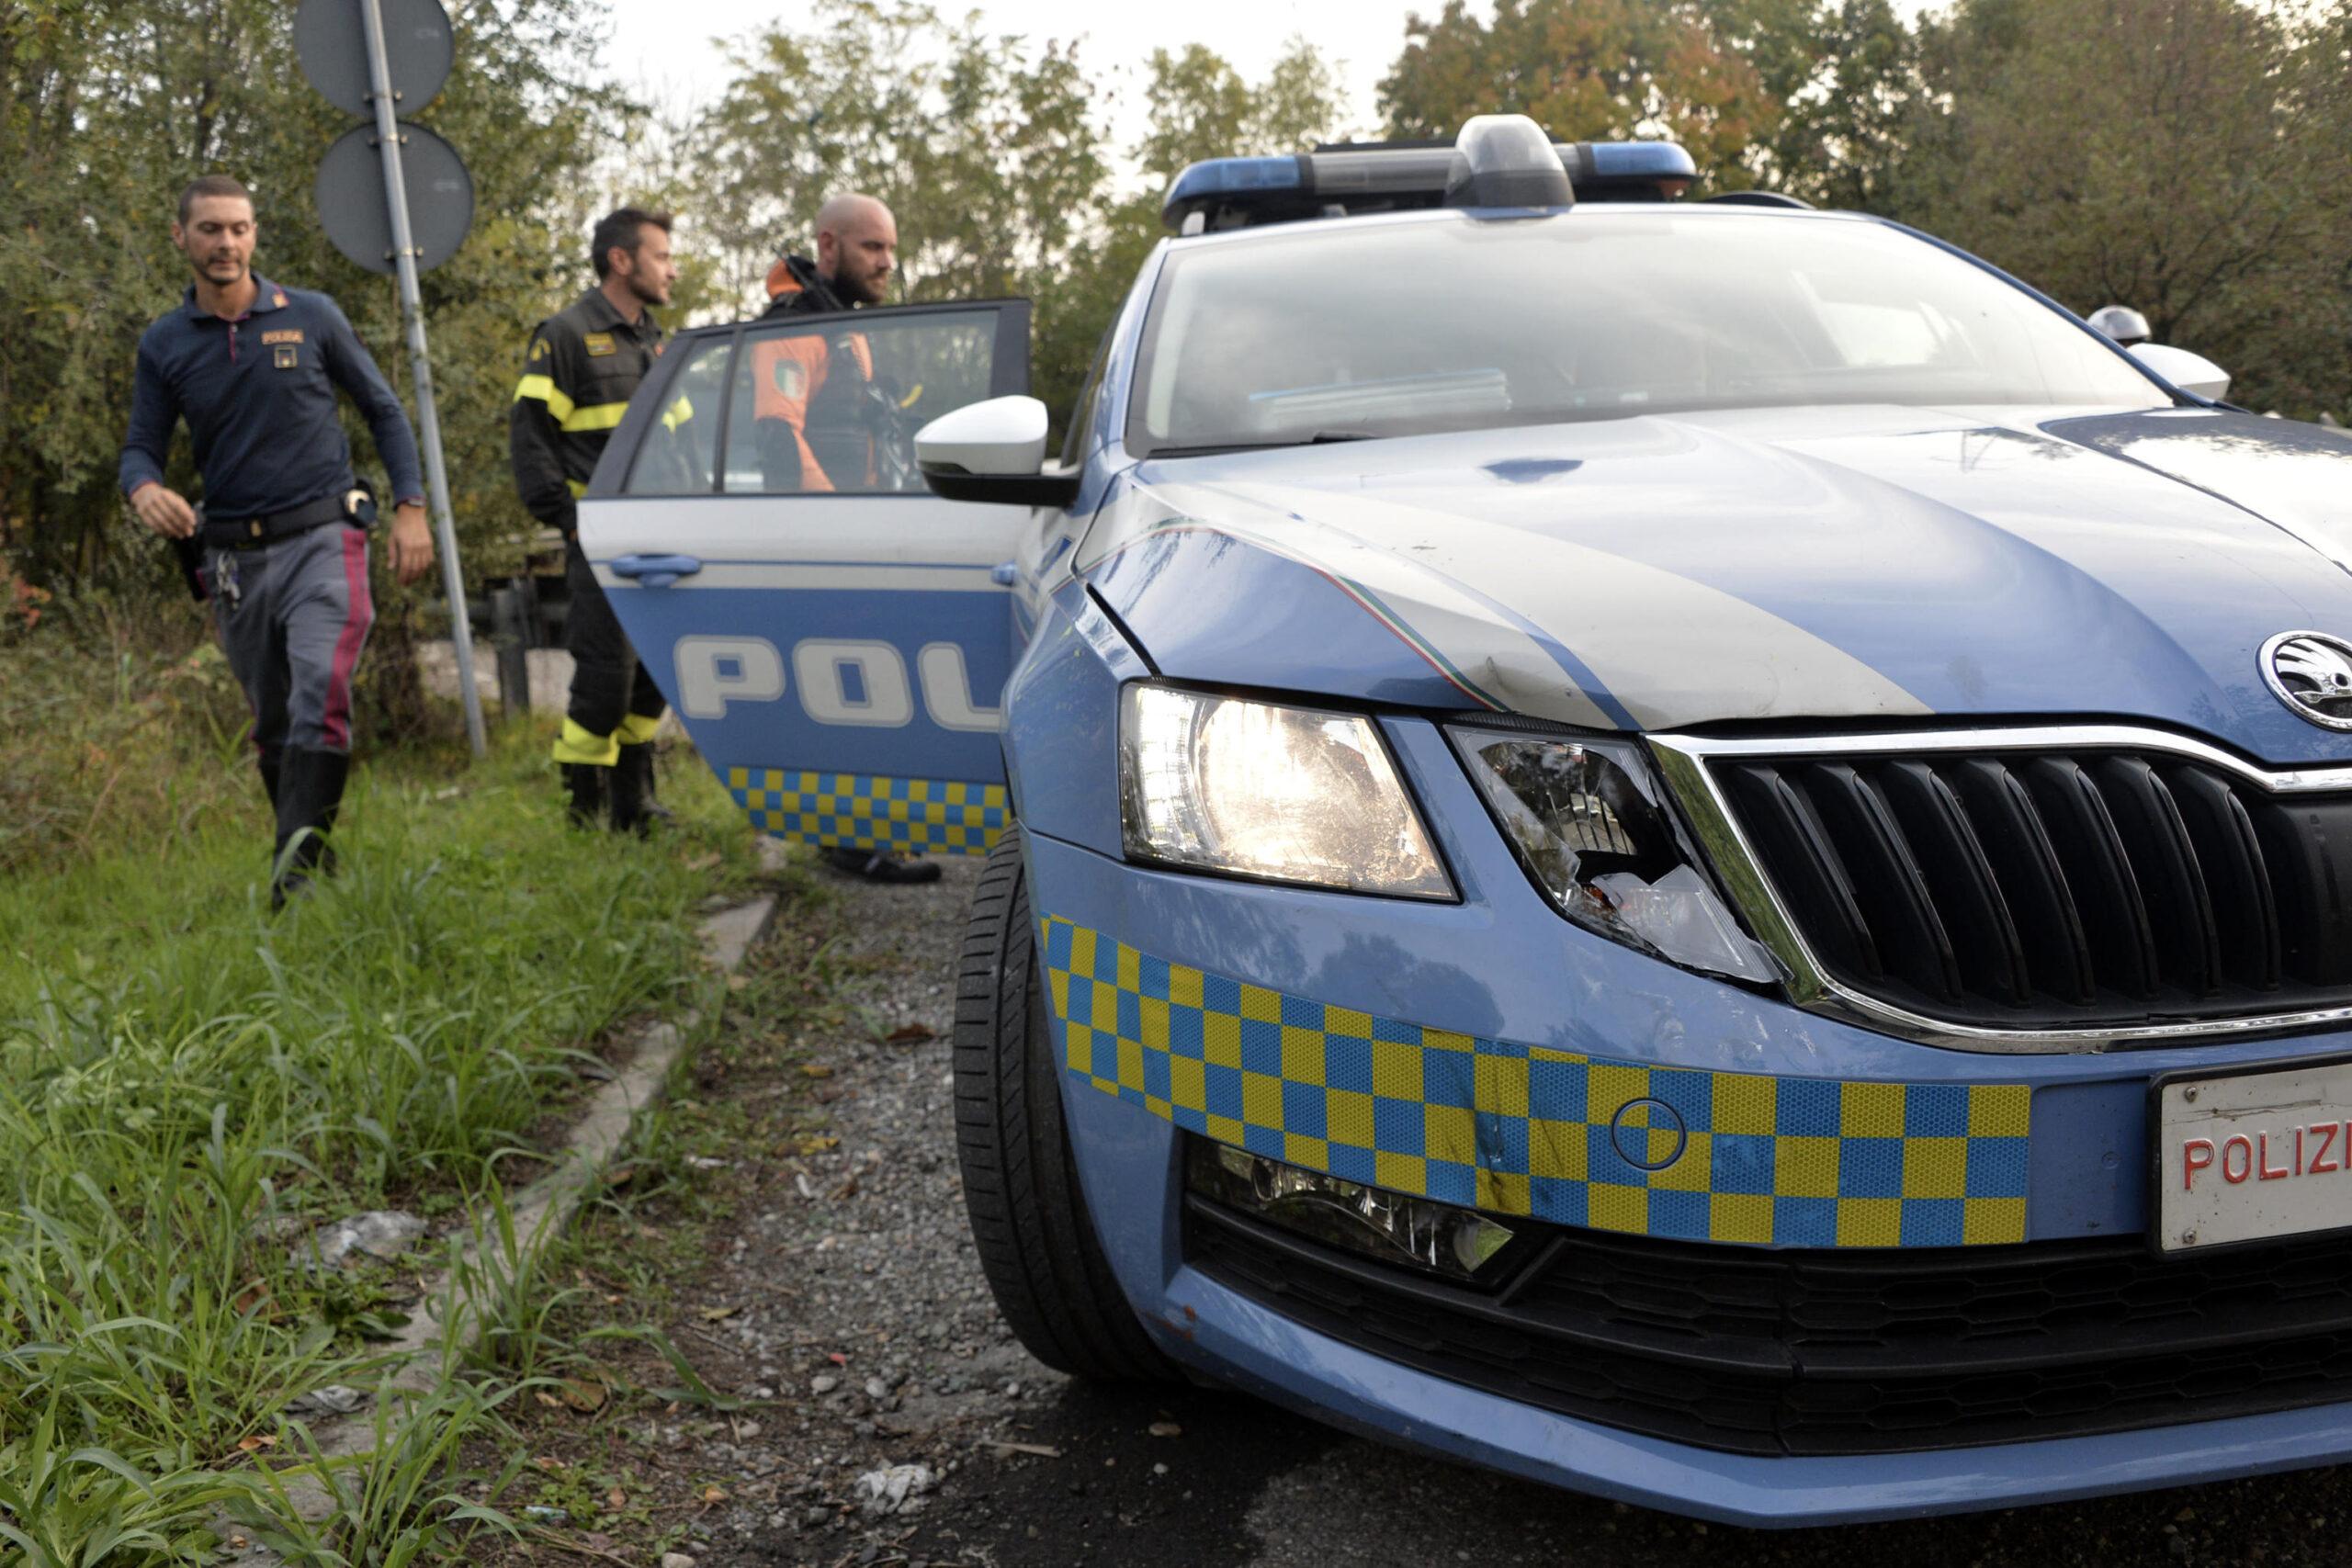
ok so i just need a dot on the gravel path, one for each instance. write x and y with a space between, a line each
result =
853 1299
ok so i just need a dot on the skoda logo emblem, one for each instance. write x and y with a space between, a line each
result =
2312 674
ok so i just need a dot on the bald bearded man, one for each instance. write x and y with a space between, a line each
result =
811 392
858 253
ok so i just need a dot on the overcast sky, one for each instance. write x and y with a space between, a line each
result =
668 60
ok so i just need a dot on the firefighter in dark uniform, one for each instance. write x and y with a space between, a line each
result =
578 373
281 542
812 397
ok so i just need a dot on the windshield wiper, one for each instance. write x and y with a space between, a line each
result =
1321 437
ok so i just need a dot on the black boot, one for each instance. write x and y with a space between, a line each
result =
309 795
584 783
634 809
881 865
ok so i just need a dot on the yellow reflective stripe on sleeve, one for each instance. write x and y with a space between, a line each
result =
577 488
637 729
595 416
544 388
580 744
679 413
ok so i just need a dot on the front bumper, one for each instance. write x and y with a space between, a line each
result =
1490 1053
1222 1332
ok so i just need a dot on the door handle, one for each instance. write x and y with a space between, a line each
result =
655 571
1004 574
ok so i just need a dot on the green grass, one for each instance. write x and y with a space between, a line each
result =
129 731
186 1081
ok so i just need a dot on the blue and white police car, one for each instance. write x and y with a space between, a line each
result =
1701 851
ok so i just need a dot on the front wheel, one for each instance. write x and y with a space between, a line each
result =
1037 1241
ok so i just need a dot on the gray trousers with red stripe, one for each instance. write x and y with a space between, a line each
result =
293 615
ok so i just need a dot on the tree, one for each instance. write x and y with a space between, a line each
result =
109 106
1807 96
1198 106
2173 155
1844 75
1588 70
990 150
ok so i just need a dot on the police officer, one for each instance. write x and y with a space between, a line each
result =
253 367
812 398
578 373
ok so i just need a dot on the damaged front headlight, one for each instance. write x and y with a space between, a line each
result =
1589 821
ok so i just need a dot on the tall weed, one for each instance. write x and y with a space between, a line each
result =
395 1504
189 1085
125 725
85 1507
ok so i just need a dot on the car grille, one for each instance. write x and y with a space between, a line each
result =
1851 1352
2058 890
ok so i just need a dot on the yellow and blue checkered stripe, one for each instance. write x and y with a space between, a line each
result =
862 811
1674 1151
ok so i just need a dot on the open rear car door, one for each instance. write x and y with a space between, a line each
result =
835 637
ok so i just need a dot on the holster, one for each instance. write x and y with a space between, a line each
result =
189 555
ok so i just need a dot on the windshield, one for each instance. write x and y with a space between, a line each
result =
1450 323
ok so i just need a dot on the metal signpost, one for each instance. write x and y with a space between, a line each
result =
408 61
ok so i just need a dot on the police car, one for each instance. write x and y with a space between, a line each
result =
1701 851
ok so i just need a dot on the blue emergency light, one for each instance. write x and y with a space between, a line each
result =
1498 161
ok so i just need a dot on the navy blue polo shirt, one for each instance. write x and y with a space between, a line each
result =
258 396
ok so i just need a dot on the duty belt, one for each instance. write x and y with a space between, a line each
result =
252 533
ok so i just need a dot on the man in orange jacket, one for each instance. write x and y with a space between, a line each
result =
811 393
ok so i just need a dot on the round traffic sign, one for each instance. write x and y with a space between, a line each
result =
358 217
330 42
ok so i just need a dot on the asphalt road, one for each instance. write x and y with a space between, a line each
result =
877 1261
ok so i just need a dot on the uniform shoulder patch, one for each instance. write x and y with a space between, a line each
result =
599 343
538 349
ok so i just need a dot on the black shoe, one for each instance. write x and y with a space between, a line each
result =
310 797
634 809
881 865
584 783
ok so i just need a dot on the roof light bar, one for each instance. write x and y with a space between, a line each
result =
1335 181
1505 160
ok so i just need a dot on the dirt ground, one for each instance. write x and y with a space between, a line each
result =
796 1233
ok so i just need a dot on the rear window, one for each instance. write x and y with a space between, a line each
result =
829 405
677 454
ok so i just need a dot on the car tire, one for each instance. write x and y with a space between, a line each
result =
1037 1241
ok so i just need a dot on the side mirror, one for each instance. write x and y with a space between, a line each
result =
992 451
2190 372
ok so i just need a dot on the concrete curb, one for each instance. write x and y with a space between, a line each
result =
539 1212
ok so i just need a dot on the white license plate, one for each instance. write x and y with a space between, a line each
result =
2254 1156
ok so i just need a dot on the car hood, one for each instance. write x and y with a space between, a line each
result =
1825 564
